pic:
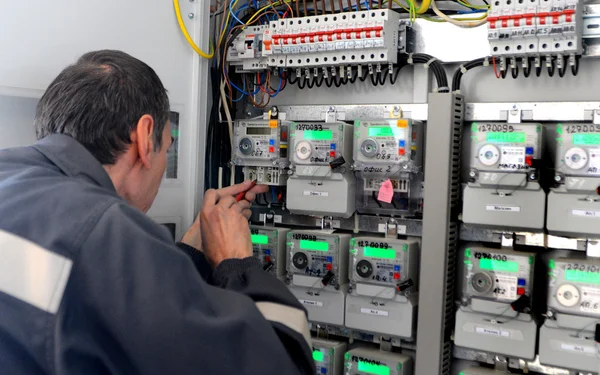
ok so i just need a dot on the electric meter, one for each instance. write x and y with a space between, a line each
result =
503 189
388 150
573 204
261 148
574 286
322 181
363 361
268 245
328 356
499 275
383 278
317 265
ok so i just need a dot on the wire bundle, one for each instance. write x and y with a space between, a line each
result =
436 68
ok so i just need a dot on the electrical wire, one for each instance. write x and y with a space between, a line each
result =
187 36
462 23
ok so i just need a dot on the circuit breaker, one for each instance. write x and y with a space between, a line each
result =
503 189
261 147
246 50
388 150
567 336
574 203
363 361
318 273
383 293
364 37
497 290
269 246
328 356
322 182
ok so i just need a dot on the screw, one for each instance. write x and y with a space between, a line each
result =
557 178
472 174
191 16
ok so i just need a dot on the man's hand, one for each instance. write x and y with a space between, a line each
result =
225 230
193 237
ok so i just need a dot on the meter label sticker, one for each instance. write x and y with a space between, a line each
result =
311 303
316 193
374 312
506 287
492 332
512 158
578 348
584 213
499 208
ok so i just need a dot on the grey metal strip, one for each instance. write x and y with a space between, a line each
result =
31 273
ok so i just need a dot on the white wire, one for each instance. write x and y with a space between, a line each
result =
466 24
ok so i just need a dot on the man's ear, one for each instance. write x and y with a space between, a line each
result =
145 141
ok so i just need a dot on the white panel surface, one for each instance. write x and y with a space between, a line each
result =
40 38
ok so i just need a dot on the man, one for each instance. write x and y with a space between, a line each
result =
90 285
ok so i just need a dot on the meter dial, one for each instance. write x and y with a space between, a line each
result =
369 148
482 283
246 146
303 150
489 155
300 260
364 268
576 158
568 295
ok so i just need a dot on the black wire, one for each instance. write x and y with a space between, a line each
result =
319 82
562 71
457 77
310 83
291 80
515 71
551 68
503 73
337 81
394 77
527 72
383 77
354 75
538 70
364 76
301 83
374 81
575 67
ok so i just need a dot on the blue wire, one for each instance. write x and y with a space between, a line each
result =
280 85
235 14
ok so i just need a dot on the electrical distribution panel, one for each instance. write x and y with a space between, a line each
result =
269 246
364 37
503 189
537 27
567 336
383 293
574 203
328 356
318 273
388 150
321 182
496 282
261 147
246 50
362 361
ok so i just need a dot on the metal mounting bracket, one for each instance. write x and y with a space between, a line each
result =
332 115
592 248
514 115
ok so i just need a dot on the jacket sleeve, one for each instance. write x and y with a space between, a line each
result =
200 261
137 305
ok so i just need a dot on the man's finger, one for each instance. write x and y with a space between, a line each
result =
252 193
245 204
247 214
235 189
226 201
210 197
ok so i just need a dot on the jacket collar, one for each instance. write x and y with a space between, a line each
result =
74 160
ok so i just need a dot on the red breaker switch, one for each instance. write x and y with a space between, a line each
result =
529 160
401 151
396 276
332 154
520 291
271 149
328 266
267 259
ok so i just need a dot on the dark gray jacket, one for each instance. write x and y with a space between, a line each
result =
90 285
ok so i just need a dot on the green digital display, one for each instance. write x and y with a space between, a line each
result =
314 245
372 368
318 356
260 239
381 132
498 265
374 252
586 139
582 277
318 135
497 137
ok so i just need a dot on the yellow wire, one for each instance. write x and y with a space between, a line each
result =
187 35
